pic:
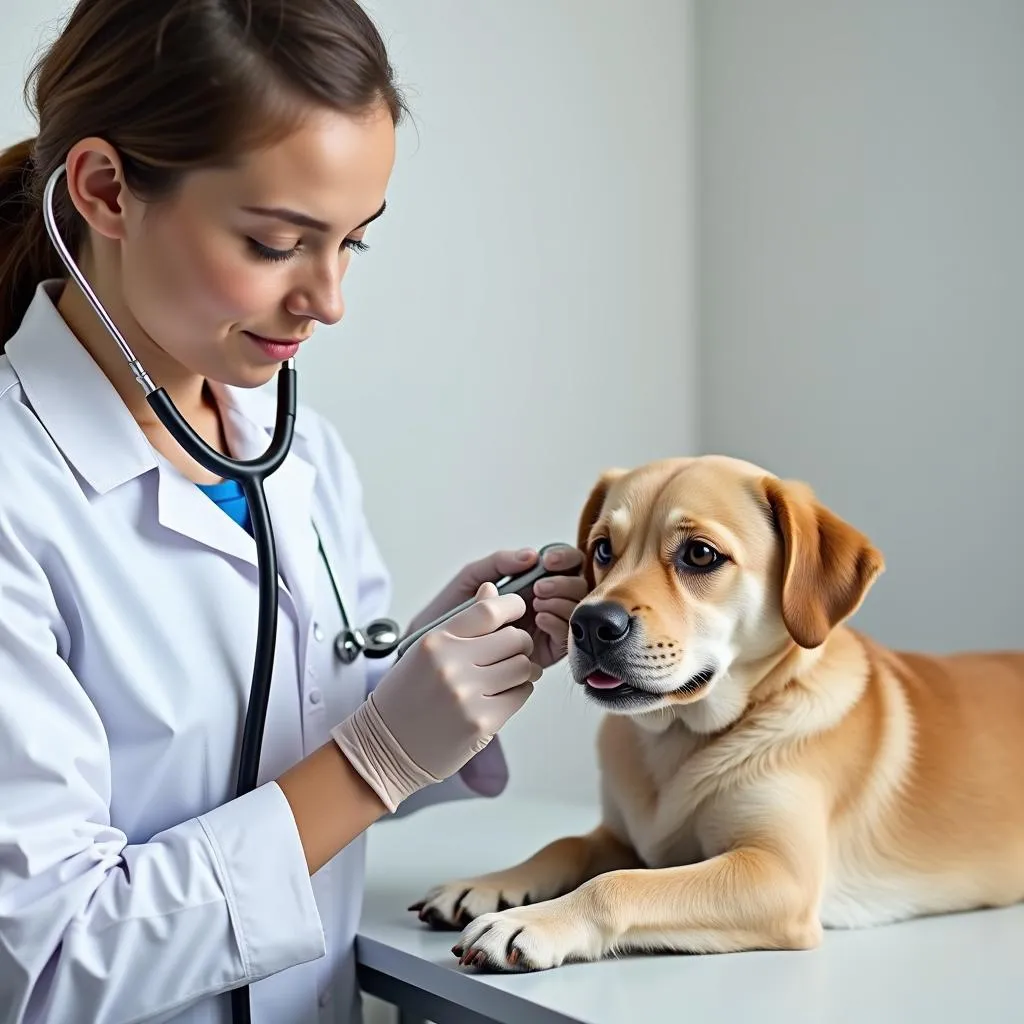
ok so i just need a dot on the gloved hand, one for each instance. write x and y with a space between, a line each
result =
549 603
444 700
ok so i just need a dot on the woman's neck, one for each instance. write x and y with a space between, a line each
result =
188 391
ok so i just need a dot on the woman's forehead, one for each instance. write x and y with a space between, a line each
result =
333 167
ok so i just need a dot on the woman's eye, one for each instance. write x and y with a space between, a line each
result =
265 252
700 556
272 255
603 551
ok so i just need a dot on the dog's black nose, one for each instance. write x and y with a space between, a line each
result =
598 625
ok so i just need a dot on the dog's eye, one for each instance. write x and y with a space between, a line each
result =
699 555
603 551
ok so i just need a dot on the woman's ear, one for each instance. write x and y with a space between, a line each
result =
828 566
96 186
590 514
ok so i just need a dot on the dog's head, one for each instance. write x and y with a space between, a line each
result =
702 572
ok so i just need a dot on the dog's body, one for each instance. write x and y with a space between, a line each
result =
766 770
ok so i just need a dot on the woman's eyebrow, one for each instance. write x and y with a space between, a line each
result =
304 220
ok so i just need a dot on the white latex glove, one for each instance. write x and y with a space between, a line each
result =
549 603
444 700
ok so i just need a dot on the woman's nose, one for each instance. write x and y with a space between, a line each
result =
320 297
330 307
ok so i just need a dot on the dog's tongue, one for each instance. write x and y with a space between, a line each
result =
603 681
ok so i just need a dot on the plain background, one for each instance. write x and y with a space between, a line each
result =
623 229
861 264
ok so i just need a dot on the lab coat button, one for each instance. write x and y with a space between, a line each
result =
314 696
318 633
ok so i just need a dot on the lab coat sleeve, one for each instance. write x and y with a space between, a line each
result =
486 774
93 928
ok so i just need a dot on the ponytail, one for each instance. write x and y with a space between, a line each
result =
27 255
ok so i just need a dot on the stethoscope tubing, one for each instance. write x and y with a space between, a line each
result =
251 475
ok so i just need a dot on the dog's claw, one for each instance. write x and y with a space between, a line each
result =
511 952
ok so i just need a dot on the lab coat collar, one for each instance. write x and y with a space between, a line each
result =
74 399
90 424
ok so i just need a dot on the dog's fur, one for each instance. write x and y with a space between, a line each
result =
816 779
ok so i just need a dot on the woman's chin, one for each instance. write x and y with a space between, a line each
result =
246 376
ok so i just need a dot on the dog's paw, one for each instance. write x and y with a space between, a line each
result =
530 939
454 905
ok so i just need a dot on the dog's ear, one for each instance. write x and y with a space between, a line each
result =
828 566
591 511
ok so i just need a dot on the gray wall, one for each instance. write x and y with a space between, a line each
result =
861 264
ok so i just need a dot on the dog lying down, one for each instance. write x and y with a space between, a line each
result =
766 771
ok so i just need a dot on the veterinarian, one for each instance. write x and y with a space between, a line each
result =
223 159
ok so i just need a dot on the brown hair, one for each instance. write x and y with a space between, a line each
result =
174 85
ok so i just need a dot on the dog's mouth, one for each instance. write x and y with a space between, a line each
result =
606 688
603 681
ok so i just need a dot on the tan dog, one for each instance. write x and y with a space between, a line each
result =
765 770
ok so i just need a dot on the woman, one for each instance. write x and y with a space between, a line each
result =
224 159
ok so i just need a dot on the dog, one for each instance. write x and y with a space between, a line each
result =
766 771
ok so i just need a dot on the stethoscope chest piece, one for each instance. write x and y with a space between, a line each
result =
347 645
377 640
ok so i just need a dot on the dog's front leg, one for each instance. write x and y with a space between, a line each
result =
762 893
555 869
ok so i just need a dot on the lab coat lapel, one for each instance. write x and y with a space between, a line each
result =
183 508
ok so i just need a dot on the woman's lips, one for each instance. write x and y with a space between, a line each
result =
277 348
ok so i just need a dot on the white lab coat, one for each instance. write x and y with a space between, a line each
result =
133 886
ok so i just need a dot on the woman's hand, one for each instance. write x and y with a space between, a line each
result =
549 603
441 704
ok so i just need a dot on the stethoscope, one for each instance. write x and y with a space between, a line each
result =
377 640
